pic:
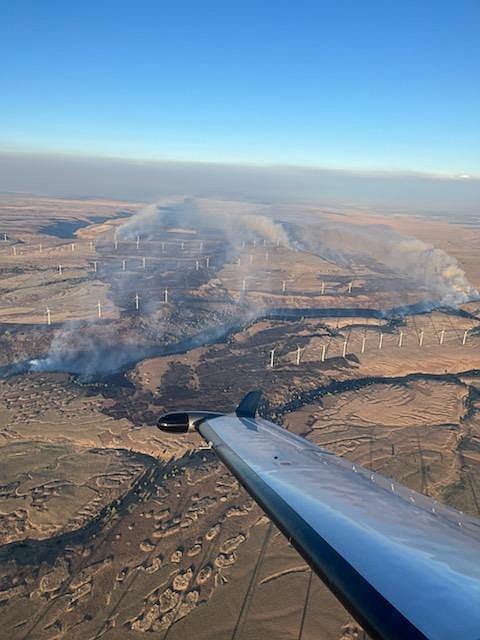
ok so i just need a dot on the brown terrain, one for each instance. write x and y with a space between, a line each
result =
111 529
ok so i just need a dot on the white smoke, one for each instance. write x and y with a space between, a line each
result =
237 220
91 350
267 229
88 349
143 222
432 268
435 268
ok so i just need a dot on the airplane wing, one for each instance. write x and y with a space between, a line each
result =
405 566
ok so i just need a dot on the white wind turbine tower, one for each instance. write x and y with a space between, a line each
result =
272 357
380 340
299 354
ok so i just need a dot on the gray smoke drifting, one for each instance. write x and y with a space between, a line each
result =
432 268
343 243
267 229
436 269
90 350
236 219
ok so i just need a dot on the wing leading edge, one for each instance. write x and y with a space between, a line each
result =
404 565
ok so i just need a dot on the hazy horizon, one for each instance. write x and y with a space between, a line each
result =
62 175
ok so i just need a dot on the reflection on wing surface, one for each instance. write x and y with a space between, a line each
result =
406 566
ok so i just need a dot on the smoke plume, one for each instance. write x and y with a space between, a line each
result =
434 269
237 220
343 243
90 350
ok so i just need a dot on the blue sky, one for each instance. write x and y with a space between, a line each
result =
362 84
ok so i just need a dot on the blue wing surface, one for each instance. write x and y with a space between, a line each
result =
403 564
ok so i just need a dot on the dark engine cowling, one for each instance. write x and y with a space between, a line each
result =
183 421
